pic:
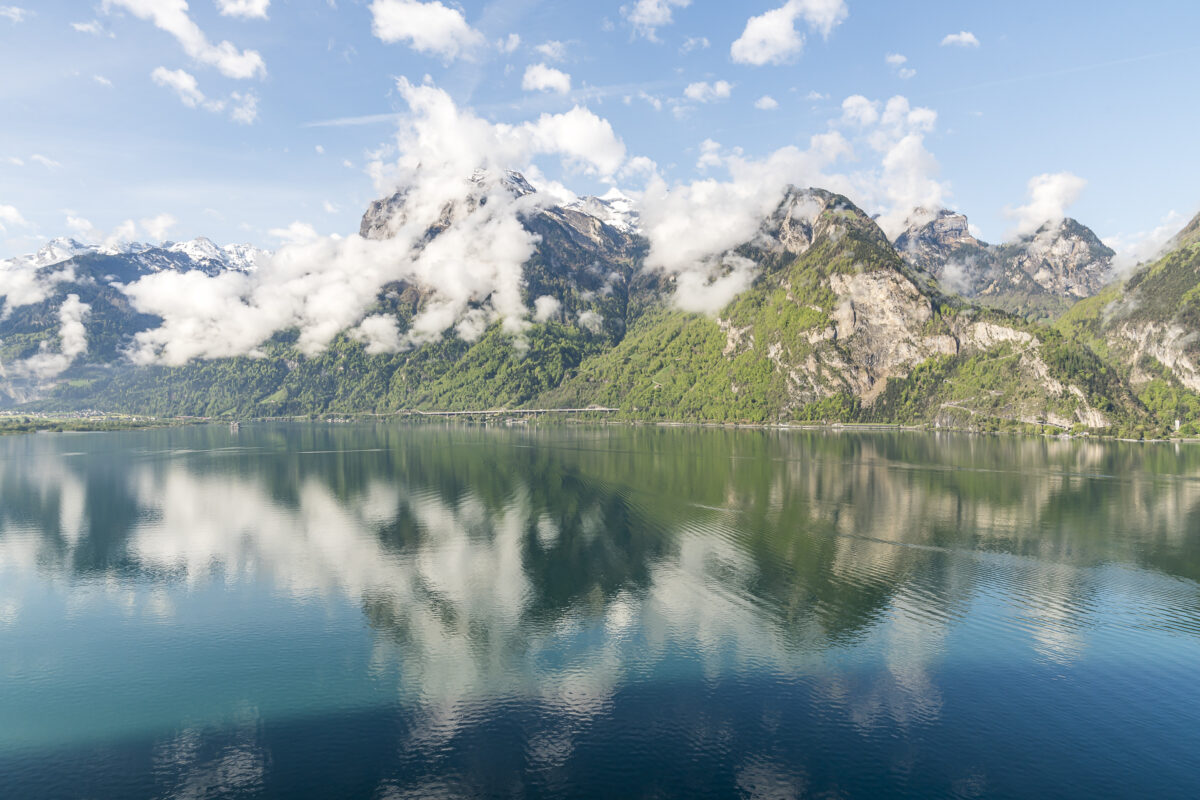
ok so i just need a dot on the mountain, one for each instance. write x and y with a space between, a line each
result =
35 289
1150 327
834 323
1039 274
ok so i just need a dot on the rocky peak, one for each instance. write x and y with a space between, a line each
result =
805 216
928 235
384 217
1065 258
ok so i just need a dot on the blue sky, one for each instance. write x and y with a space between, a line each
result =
102 122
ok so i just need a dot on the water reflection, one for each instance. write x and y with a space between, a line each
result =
537 582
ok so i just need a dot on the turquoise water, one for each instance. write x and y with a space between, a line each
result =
388 612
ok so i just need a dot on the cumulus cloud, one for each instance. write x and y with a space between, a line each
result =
766 103
247 9
540 78
960 39
897 61
509 44
15 14
159 226
171 16
695 43
858 110
647 16
429 28
296 233
449 170
693 227
153 228
11 217
1050 195
553 50
186 87
243 106
907 176
772 37
72 337
704 92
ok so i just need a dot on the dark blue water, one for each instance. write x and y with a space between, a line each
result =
392 612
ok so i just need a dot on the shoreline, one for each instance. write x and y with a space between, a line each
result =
12 423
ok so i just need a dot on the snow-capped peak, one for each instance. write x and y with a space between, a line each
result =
612 208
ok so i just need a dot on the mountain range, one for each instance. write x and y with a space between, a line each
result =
835 323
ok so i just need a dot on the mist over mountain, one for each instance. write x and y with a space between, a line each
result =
499 295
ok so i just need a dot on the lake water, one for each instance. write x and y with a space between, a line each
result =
395 612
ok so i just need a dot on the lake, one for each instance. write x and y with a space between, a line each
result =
454 611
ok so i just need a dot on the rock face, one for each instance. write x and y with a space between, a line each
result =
1065 259
1153 323
1060 262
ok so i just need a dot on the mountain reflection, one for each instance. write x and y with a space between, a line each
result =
551 563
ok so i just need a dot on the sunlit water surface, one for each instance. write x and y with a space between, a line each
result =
390 612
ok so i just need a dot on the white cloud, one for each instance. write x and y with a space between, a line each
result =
15 14
553 50
247 9
858 110
93 28
243 106
815 96
961 39
710 155
329 207
704 92
695 43
48 163
72 338
16 162
158 227
430 28
320 149
540 78
897 62
510 44
244 110
1050 195
171 16
546 308
103 81
1143 246
185 86
472 270
296 233
692 228
766 103
772 38
10 217
647 16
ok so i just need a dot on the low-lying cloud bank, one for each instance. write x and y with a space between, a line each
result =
448 165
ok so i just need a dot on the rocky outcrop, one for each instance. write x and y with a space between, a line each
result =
1065 259
1061 261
